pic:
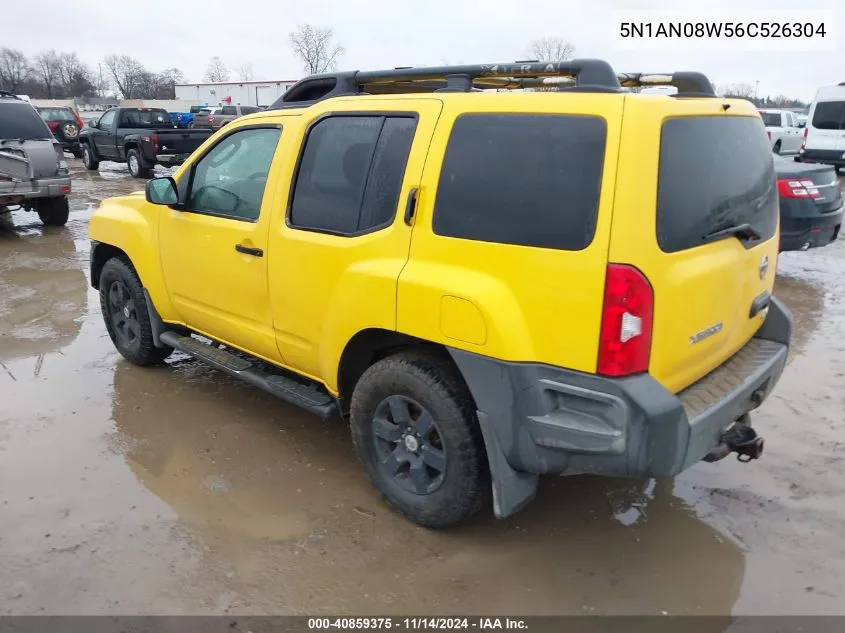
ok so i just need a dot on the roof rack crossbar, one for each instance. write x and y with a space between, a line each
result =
688 83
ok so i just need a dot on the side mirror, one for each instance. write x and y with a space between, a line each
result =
162 191
93 123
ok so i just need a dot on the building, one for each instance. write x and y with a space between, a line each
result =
254 93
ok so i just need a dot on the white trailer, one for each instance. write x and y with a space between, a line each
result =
254 93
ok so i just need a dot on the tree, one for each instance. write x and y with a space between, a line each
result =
14 69
245 72
551 49
48 69
127 74
216 71
736 91
100 81
315 49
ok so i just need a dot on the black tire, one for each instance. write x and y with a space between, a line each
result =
125 314
421 382
776 148
53 211
89 159
137 168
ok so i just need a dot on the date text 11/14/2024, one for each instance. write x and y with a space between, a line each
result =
417 624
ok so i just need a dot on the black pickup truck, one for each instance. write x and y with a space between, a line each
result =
139 137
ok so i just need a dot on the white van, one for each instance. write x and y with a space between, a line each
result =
824 135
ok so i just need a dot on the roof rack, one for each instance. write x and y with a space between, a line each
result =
583 75
11 95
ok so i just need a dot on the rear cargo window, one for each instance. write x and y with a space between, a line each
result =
21 121
526 179
829 115
771 119
715 172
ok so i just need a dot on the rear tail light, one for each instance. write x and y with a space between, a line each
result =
769 134
626 322
79 120
154 141
790 188
804 142
211 119
53 125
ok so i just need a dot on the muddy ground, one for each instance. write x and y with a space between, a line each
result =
179 490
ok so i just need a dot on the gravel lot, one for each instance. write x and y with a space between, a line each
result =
178 490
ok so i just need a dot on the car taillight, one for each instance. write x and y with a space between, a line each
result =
154 141
79 120
53 125
791 188
211 119
769 134
804 142
626 322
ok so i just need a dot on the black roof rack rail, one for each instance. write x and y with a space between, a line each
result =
7 94
584 75
689 84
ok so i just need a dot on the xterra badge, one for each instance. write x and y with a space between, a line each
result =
700 336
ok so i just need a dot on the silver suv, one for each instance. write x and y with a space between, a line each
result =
33 172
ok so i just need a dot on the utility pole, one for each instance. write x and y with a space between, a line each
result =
756 85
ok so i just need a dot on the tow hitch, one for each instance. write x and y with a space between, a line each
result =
740 439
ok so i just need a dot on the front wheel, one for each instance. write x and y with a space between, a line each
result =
91 163
136 165
125 313
53 211
414 429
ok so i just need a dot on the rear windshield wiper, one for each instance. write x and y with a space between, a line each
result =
742 231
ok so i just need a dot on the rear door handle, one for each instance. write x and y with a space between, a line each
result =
411 205
248 250
760 303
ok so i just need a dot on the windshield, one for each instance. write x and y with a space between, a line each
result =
145 118
20 120
57 114
771 119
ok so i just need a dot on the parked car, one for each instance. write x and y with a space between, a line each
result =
223 116
184 119
65 124
139 137
824 136
33 172
810 205
802 120
201 118
783 131
484 283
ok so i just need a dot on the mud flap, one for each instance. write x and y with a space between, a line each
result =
512 490
156 324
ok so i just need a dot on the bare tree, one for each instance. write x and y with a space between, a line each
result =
216 70
551 49
315 48
737 91
245 72
101 81
126 72
48 69
14 69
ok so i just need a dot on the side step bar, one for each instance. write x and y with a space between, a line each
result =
309 398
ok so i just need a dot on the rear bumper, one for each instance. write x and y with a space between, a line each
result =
802 230
14 192
826 156
171 159
539 419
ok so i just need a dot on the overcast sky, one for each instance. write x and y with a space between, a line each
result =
388 33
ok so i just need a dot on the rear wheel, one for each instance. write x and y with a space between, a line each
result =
414 428
124 310
136 165
53 211
88 159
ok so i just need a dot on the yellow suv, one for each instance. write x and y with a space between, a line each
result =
492 282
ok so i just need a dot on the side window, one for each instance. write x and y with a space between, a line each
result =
525 179
229 110
351 172
107 120
829 115
230 179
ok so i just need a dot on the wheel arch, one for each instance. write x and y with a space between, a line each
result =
100 254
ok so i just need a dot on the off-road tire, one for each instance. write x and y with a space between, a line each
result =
434 383
137 169
141 351
53 211
89 159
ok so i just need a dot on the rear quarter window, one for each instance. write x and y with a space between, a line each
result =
523 179
715 172
829 115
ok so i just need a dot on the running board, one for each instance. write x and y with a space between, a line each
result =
307 397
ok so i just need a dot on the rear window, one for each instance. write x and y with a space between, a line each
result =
144 118
525 179
56 114
228 110
248 110
20 120
715 172
829 115
771 119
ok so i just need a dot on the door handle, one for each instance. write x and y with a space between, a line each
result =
248 250
411 206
